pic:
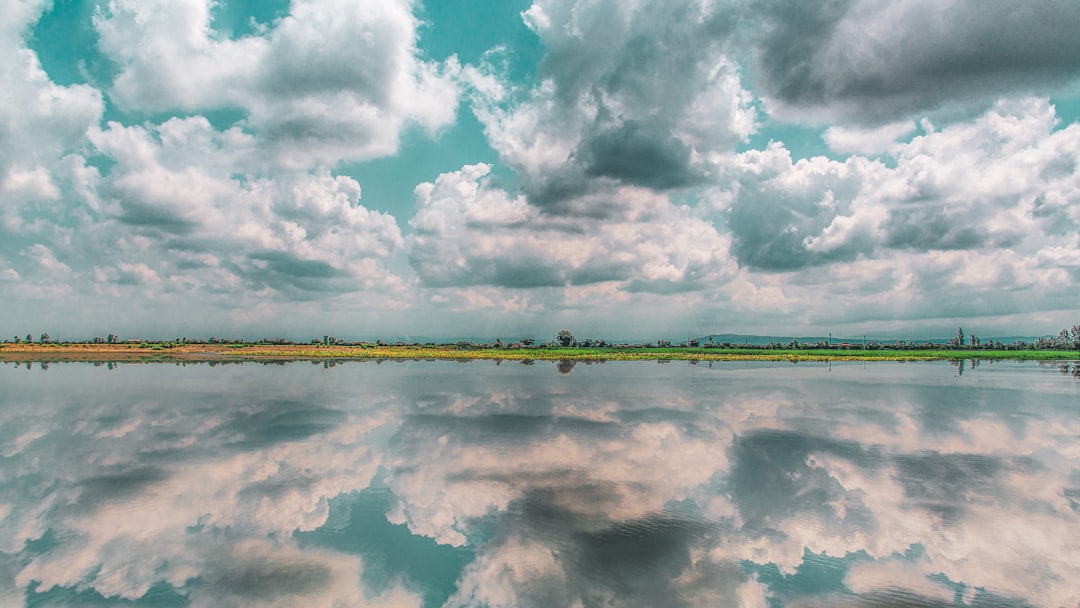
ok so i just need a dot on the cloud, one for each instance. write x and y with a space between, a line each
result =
982 185
866 141
330 81
871 62
970 219
467 232
296 232
42 129
627 92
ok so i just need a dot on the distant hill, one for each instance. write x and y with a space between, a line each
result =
759 340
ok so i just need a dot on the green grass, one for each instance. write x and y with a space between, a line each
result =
368 351
650 354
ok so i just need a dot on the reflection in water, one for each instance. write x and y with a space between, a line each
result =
620 484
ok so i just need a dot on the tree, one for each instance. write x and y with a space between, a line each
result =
565 338
528 341
29 338
1075 332
44 337
959 337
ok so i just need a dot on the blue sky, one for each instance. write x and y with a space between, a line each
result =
622 169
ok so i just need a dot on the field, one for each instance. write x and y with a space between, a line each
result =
165 351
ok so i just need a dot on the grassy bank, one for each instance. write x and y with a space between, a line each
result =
219 352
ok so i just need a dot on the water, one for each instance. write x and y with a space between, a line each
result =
473 484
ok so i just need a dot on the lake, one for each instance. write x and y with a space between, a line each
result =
548 484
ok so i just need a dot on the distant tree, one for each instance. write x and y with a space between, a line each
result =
693 343
528 341
44 337
565 338
1075 332
29 338
959 337
1063 340
663 343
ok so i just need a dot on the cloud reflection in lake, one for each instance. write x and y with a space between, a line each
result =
628 484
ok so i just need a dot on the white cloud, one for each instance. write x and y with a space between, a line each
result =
295 231
469 233
33 184
969 214
331 81
867 141
41 122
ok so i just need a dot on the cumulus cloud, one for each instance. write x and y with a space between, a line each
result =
866 141
632 183
296 232
628 92
468 232
972 218
996 185
330 81
41 120
42 129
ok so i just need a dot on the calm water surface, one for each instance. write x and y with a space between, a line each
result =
476 484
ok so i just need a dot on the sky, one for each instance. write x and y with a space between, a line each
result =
623 169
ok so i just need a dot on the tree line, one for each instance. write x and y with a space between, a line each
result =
1067 339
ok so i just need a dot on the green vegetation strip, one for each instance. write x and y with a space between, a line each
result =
645 354
240 352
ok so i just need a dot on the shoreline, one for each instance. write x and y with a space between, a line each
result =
195 353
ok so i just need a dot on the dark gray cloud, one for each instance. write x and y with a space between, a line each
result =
871 62
144 215
770 227
121 483
299 277
638 154
926 227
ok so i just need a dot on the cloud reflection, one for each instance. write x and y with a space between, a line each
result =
618 484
